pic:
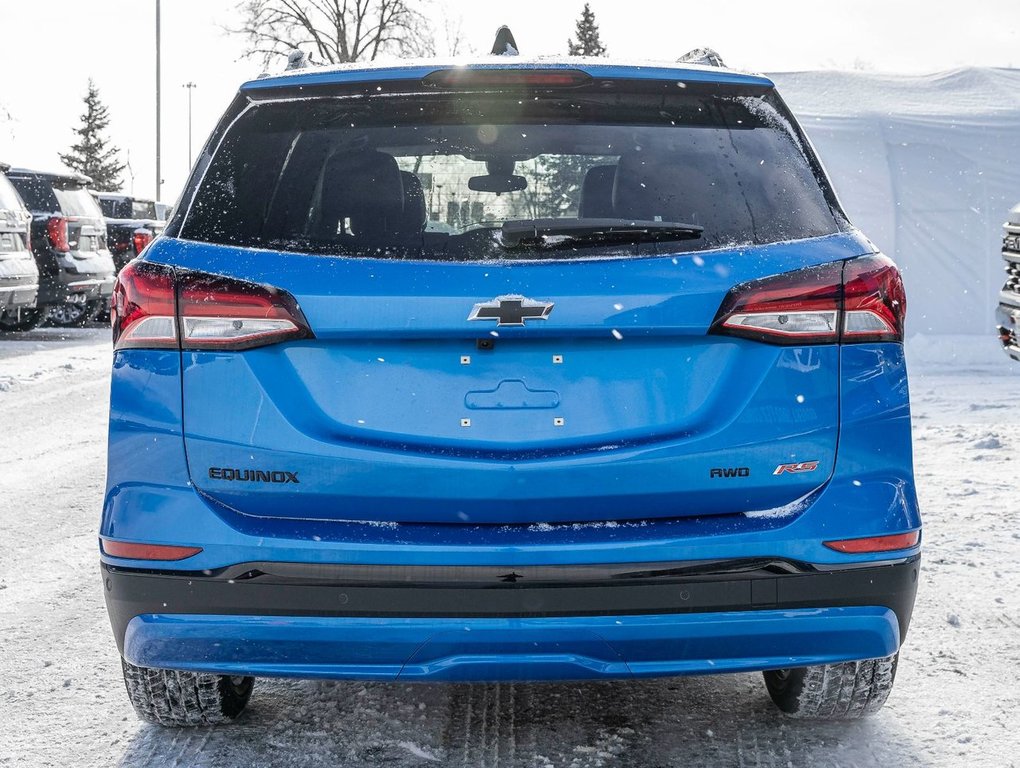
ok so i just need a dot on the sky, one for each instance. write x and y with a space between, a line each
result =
45 67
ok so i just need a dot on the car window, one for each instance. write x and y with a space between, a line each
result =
9 200
76 201
143 209
115 208
437 176
37 193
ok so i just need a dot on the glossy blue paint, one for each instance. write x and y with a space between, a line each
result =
362 73
369 415
510 649
647 412
150 497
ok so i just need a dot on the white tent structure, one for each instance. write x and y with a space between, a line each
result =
928 167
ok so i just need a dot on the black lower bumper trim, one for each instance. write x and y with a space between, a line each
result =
289 589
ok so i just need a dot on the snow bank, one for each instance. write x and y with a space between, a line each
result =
928 167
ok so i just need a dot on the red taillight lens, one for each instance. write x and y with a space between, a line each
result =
56 230
876 543
799 307
140 239
874 303
223 313
153 305
132 551
142 308
855 301
506 78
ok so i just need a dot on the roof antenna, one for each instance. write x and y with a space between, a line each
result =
504 45
705 56
297 59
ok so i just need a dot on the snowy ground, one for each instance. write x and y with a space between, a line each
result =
956 702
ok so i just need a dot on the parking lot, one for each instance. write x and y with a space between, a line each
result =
63 699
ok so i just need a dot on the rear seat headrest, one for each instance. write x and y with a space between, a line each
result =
366 188
597 193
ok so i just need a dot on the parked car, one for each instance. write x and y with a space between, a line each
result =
1008 313
76 272
163 211
131 224
641 409
19 276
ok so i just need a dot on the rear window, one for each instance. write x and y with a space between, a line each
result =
115 208
141 209
37 193
436 176
42 195
9 200
76 201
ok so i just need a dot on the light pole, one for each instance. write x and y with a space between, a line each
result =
190 86
159 180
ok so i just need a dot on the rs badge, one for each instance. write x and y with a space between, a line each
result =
803 466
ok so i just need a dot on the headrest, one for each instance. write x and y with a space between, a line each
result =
636 193
366 188
597 193
415 213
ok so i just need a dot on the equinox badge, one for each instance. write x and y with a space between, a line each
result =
511 310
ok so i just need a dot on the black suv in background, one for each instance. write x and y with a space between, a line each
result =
19 276
131 224
76 271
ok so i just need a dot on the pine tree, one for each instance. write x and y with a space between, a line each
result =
561 176
92 155
587 41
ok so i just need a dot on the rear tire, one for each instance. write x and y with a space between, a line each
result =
845 691
26 320
185 699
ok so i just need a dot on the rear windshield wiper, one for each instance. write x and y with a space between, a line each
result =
553 233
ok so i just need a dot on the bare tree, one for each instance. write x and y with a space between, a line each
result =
334 31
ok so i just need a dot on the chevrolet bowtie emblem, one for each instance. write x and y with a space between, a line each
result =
511 310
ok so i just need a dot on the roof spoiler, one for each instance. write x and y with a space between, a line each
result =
67 177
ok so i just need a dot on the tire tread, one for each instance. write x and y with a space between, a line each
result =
183 699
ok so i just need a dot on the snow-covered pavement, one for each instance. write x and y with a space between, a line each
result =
62 703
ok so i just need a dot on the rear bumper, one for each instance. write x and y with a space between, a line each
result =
18 294
518 623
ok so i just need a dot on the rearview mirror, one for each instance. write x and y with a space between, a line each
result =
497 184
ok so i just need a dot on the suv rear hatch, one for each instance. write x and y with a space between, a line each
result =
67 219
16 263
413 388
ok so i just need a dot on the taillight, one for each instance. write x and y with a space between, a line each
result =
56 230
223 313
854 301
874 302
157 307
141 238
142 308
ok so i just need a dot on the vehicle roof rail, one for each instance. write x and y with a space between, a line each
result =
706 56
504 44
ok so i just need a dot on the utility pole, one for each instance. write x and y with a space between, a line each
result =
159 170
190 86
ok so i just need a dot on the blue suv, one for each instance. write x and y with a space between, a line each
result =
508 371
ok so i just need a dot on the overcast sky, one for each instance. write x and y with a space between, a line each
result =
50 48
